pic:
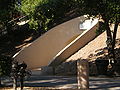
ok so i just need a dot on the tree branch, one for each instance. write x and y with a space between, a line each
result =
115 33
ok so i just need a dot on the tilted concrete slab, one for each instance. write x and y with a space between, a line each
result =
46 47
79 42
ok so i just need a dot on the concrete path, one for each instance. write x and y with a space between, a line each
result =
66 82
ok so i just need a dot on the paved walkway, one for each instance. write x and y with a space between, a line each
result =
65 82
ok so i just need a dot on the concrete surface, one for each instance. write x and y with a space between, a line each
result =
76 44
69 82
68 37
43 49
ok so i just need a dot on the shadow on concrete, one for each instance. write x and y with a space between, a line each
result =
105 83
70 82
49 81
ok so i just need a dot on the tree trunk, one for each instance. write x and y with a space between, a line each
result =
10 32
15 83
21 82
114 34
53 68
108 31
109 41
114 39
0 82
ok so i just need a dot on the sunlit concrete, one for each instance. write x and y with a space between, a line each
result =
43 50
88 35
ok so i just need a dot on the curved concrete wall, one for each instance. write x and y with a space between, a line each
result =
43 50
75 45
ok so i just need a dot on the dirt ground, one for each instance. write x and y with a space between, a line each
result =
93 47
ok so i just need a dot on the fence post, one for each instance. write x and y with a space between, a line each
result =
83 74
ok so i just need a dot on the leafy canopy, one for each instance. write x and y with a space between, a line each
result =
45 13
107 9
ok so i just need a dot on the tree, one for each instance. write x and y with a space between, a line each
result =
7 8
7 12
5 66
45 14
109 12
19 71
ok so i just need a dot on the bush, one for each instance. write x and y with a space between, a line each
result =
5 65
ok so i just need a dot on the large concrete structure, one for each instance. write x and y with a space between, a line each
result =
79 42
44 50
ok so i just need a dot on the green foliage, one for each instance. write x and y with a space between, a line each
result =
28 7
45 14
109 12
5 65
101 29
107 9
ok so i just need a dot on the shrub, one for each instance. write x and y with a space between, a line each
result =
5 65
